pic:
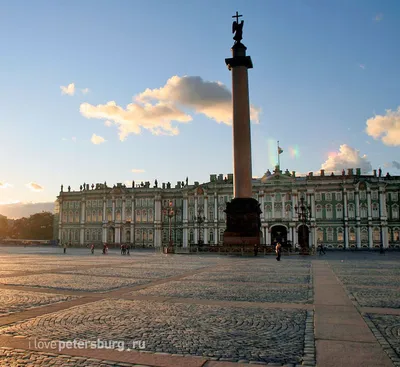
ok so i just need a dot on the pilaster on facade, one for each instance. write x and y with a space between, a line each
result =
369 206
357 198
358 235
205 209
83 211
104 211
123 210
261 196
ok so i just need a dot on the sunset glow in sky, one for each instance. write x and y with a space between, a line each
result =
125 90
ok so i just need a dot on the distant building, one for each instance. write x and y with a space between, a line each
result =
350 210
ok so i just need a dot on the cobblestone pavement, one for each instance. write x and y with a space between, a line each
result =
257 277
373 297
73 282
392 281
222 332
17 301
250 292
24 358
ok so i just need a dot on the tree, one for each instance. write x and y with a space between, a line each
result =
38 226
3 226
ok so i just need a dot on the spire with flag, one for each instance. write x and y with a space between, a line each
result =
280 151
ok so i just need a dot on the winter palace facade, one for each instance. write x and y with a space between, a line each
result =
350 210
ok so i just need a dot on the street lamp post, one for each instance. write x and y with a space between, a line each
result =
170 212
304 214
200 221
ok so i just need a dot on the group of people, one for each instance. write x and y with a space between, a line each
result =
125 249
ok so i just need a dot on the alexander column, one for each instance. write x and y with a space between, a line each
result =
243 212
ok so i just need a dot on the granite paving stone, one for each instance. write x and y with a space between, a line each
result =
375 297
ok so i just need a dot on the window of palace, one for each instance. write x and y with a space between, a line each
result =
94 215
329 213
374 195
221 214
394 196
363 195
138 216
144 215
328 196
352 213
128 236
138 202
339 234
191 236
364 234
211 236
329 234
76 235
395 211
288 211
87 236
210 213
268 211
376 234
375 210
318 196
70 216
396 234
118 215
99 216
119 203
138 234
278 197
339 211
151 235
100 203
352 234
320 235
88 216
109 203
268 198
191 200
150 215
350 196
339 196
278 210
318 210
128 215
191 214
363 211
178 215
221 235
200 200
109 215
76 218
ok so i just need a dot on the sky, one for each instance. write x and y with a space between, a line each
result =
124 90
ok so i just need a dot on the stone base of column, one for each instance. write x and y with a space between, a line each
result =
243 224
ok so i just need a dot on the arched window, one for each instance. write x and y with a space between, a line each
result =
70 216
150 216
363 211
138 236
221 214
339 211
94 235
144 215
211 236
100 216
88 216
118 215
364 234
151 235
138 216
191 215
128 215
375 210
318 210
87 235
191 236
339 234
329 234
221 235
278 210
94 215
352 234
320 235
76 217
395 211
76 235
396 234
352 213
376 235
328 213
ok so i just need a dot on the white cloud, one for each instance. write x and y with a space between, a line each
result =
362 66
385 127
378 17
138 170
85 90
108 123
393 164
156 109
69 89
96 139
347 157
5 185
33 186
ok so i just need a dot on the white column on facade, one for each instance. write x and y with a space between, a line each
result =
312 198
104 234
157 216
216 239
123 210
185 222
358 235
382 204
60 214
215 207
206 208
83 211
113 209
294 204
261 195
133 221
273 205
118 235
369 205
385 239
346 218
104 212
357 196
295 236
370 239
82 236
283 214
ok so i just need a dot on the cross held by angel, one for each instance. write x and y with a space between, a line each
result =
237 28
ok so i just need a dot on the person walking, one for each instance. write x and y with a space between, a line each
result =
321 249
92 248
65 248
278 250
